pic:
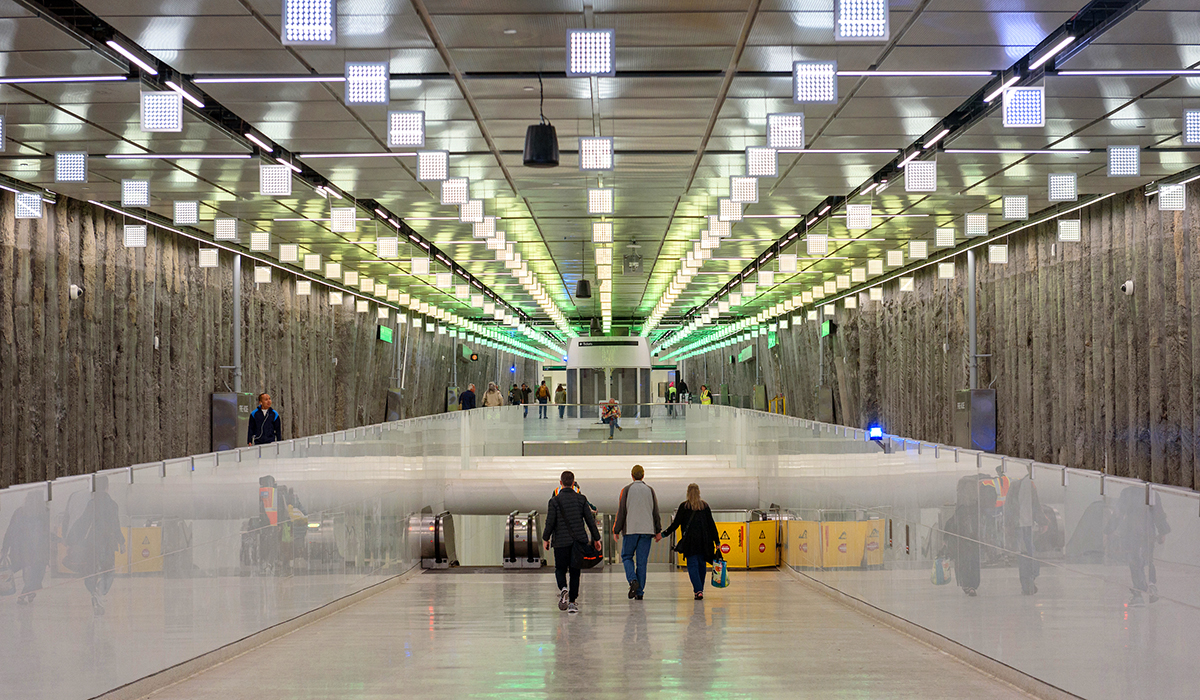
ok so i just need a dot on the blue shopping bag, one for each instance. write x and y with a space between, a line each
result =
720 574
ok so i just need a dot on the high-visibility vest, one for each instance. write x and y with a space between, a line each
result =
266 496
1000 484
706 398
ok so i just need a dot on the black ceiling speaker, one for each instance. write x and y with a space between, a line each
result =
583 289
541 140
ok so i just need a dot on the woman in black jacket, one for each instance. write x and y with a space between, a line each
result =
699 541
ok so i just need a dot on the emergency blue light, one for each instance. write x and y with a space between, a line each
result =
875 432
513 369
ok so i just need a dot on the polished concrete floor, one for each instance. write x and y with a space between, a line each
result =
463 635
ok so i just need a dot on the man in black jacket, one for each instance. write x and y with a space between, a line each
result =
265 426
569 522
466 400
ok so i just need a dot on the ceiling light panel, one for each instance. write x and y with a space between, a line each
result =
29 205
433 166
918 250
850 302
341 219
274 180
920 176
70 166
600 200
944 238
895 258
858 275
1062 187
471 212
187 213
1191 126
602 232
209 257
350 278
303 288
814 81
728 210
135 193
456 190
743 190
387 247
485 228
723 229
162 111
785 131
312 262
1070 230
875 267
787 262
818 244
906 284
289 253
604 256
875 293
591 52
225 229
761 162
368 84
976 225
1124 161
1016 207
135 236
406 128
945 271
309 22
595 153
333 270
861 20
1172 197
998 254
260 241
262 274
858 217
1024 107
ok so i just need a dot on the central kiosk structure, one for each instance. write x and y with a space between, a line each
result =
603 368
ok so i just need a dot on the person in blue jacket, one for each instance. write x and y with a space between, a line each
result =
265 426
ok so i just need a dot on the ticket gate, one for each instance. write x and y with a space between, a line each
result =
435 539
522 544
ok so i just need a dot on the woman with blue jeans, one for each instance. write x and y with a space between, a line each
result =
699 539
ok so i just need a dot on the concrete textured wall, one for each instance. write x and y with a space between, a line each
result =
85 388
1085 376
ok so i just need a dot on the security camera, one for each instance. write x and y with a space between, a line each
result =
1127 288
75 292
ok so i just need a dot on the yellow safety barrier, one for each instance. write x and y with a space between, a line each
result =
746 545
777 404
803 543
834 544
143 551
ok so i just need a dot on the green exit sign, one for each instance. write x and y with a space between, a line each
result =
385 334
828 328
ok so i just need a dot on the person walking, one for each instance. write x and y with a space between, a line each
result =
638 520
1139 527
543 398
1023 514
560 398
525 394
492 397
699 539
27 544
265 426
514 395
466 400
570 527
672 397
682 387
611 413
95 538
705 396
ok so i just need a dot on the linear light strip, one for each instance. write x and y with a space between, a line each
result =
178 156
391 154
272 79
128 53
890 151
185 94
916 73
1003 86
65 79
1117 73
1019 151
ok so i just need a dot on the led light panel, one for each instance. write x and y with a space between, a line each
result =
456 190
590 52
477 301
368 84
861 20
850 302
70 166
187 213
812 315
1172 197
471 212
602 232
260 241
162 111
420 266
209 257
600 201
814 81
341 219
998 254
496 241
895 258
766 278
787 262
362 306
785 131
303 288
406 128
1124 161
1024 107
309 22
735 298
443 280
875 267
262 274
944 238
274 180
1062 187
384 313
721 229
920 176
595 153
806 297
858 275
225 229
729 211
818 244
842 281
432 166
462 291
875 293
350 278
393 295
743 190
858 217
1070 230
976 225
761 162
906 284
604 256
604 272
333 270
1191 126
1016 207
830 286
946 271
485 228
135 236
749 290
312 262
918 250
289 253
29 205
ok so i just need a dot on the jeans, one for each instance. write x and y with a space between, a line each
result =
562 566
542 409
612 424
696 572
636 546
562 409
1028 567
526 411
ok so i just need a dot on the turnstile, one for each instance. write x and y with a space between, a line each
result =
522 544
435 537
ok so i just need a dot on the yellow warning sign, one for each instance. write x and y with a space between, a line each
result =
803 543
763 552
762 535
144 558
724 535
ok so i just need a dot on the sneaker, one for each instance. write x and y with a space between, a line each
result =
1136 600
562 599
632 589
698 596
969 591
639 596
1153 593
572 608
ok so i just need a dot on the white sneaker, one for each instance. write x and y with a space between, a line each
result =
562 599
572 608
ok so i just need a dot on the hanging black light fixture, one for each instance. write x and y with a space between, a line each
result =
541 140
583 288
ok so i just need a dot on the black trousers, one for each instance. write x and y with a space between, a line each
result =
562 565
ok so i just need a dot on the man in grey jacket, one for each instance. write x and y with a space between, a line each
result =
638 520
